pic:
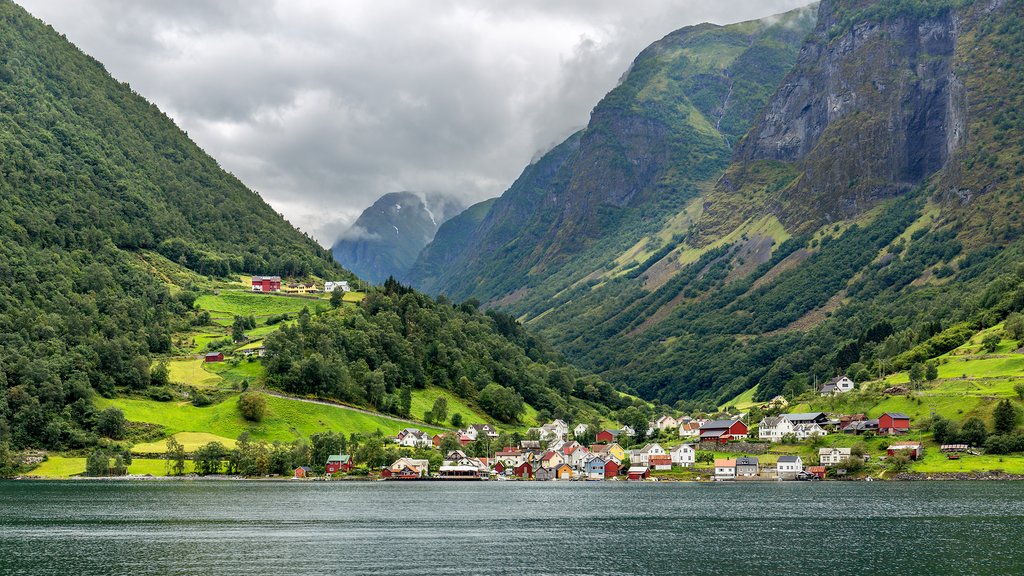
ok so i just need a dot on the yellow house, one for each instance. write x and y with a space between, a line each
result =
564 472
613 451
301 288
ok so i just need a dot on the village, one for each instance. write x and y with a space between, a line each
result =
685 448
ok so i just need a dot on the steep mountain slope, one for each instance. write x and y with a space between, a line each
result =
388 236
447 246
870 219
651 145
122 243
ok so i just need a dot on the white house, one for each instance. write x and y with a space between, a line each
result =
833 456
628 431
415 438
477 431
773 428
725 469
801 426
805 431
683 455
837 385
690 428
510 457
789 466
580 430
340 285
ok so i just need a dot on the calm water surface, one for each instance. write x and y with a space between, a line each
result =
212 527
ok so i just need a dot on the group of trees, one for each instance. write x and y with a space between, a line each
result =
1002 439
398 340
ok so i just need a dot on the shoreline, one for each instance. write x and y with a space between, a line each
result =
982 476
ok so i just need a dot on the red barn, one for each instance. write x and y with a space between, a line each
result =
266 283
611 469
722 431
214 357
607 436
338 463
893 423
524 471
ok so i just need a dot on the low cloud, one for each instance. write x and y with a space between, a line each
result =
322 107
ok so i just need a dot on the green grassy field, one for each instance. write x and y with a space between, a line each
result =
252 304
61 467
189 440
935 461
742 401
193 372
285 420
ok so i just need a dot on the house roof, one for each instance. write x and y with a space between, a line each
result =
725 462
660 459
897 415
771 421
746 461
342 458
901 445
614 433
815 469
715 424
681 447
789 459
637 470
650 447
802 416
843 451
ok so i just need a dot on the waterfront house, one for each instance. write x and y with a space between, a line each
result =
303 471
574 454
914 450
725 469
407 468
833 456
893 423
837 385
607 436
788 467
524 471
818 471
544 474
747 466
563 472
660 462
638 473
213 357
338 463
595 467
722 431
683 455
457 471
551 459
510 456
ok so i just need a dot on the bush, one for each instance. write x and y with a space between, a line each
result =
253 406
161 394
199 400
111 423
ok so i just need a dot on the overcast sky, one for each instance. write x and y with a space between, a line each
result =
322 107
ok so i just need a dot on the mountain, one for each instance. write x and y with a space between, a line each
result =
388 236
652 144
125 251
867 217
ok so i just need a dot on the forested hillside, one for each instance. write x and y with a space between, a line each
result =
873 210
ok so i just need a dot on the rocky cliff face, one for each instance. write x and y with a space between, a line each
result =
387 237
649 147
870 110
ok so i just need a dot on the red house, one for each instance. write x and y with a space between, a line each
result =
214 357
722 431
303 471
338 463
913 450
611 469
499 467
436 440
266 283
638 473
818 471
607 436
404 473
893 423
524 471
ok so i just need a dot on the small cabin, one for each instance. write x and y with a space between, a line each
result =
213 357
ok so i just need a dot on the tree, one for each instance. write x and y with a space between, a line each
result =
1019 389
209 458
898 463
97 464
973 432
1005 417
1014 326
8 462
635 419
450 442
324 445
457 420
944 431
253 406
440 410
917 372
175 465
160 376
111 423
503 403
405 401
931 371
991 342
337 297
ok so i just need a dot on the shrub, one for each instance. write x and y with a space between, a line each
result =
253 406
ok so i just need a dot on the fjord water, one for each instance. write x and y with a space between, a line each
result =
219 527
